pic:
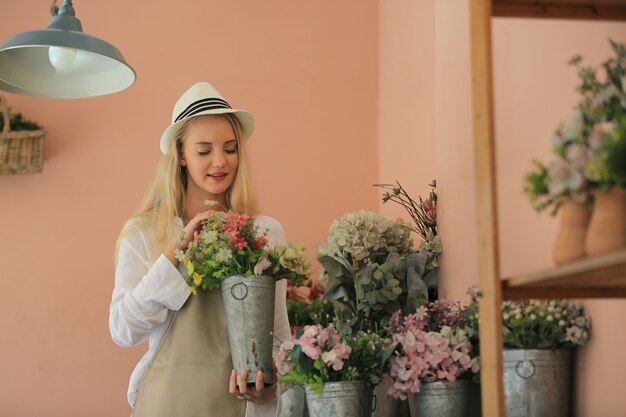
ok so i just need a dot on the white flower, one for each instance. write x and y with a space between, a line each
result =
208 236
564 178
210 203
574 126
262 264
557 140
596 139
577 154
223 255
179 254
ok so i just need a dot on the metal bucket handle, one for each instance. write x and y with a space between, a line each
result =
525 365
245 293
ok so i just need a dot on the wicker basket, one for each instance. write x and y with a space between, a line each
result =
20 152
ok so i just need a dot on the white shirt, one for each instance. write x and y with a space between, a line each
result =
146 295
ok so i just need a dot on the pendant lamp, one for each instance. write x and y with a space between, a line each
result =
62 61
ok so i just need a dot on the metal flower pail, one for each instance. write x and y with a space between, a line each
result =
441 398
293 402
249 308
537 383
384 404
341 399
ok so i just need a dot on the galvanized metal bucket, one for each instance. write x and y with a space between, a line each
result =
249 307
384 404
341 399
293 402
441 398
537 383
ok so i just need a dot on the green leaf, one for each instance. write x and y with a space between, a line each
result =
416 290
432 278
333 267
417 261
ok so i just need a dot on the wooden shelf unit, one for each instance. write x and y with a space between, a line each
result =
598 277
554 9
602 277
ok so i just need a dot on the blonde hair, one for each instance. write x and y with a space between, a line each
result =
165 199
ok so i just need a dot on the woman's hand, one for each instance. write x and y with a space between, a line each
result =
194 225
259 394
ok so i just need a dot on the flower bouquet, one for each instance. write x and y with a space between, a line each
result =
337 370
432 344
371 270
544 324
432 359
563 179
231 252
604 101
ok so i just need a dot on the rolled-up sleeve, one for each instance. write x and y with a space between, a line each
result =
143 294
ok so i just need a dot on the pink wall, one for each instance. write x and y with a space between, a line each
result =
406 130
310 76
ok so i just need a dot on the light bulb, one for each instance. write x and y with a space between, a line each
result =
61 58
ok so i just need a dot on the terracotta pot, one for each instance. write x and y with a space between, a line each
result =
569 244
607 229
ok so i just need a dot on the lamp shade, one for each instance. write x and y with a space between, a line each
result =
62 62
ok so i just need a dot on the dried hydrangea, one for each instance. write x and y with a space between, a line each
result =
362 235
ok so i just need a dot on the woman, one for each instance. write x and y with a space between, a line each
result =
187 370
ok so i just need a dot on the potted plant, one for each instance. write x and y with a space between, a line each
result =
604 100
432 359
21 143
231 253
538 338
563 187
337 370
366 261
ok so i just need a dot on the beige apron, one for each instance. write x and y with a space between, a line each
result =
190 372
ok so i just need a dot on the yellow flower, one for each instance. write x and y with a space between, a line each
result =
197 279
190 267
193 290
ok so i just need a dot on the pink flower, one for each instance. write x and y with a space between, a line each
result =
430 208
426 357
334 358
309 341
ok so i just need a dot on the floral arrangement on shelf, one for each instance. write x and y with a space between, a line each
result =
573 143
232 244
371 270
604 103
432 344
322 354
590 148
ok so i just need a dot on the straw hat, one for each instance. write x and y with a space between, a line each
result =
202 99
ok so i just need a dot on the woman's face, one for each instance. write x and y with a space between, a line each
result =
211 156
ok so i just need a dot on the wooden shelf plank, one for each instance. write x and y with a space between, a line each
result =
561 9
597 277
